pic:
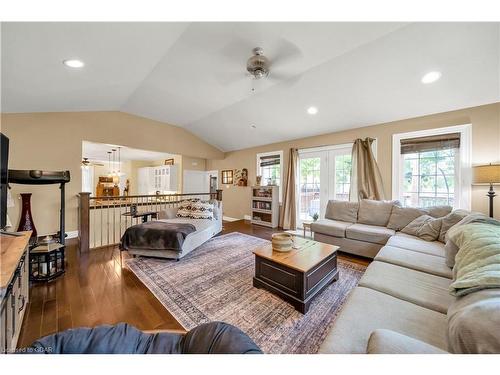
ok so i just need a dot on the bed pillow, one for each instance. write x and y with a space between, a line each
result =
185 208
202 210
402 216
168 213
425 227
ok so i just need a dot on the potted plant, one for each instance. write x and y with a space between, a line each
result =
315 216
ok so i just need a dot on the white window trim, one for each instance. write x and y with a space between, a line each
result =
463 191
257 170
337 147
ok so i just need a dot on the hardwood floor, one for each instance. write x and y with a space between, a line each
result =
96 290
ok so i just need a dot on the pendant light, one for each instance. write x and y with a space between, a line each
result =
109 164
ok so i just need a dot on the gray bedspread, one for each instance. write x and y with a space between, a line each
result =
156 235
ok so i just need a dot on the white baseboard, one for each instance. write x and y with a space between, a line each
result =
227 218
247 217
72 234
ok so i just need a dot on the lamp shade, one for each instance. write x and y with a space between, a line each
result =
487 174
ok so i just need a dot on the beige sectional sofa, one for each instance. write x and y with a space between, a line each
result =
402 300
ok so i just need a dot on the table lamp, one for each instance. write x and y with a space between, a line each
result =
487 174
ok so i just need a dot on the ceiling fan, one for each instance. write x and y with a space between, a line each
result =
86 162
259 65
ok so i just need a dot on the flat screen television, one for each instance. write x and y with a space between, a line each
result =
4 171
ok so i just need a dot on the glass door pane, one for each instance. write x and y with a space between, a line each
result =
309 186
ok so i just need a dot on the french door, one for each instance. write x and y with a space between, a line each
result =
322 175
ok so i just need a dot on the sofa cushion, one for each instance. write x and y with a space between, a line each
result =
417 287
367 310
402 216
369 233
425 227
374 212
330 227
414 260
385 341
364 249
406 241
450 220
474 323
342 211
439 211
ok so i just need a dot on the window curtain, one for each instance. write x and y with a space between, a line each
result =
288 220
366 181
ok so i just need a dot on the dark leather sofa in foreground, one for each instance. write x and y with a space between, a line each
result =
209 338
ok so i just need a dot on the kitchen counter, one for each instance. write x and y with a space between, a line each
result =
11 250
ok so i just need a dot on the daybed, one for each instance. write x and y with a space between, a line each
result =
205 229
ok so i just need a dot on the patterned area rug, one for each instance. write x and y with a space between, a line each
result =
214 283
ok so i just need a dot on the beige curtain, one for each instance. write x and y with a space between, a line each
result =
366 181
288 219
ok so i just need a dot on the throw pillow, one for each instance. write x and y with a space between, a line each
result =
439 211
185 208
450 220
374 212
168 213
425 227
202 210
402 216
342 211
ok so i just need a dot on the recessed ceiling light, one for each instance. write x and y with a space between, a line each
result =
431 77
312 110
72 63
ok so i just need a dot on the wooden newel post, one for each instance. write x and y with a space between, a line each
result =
84 221
219 195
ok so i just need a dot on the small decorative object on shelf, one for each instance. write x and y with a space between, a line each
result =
258 179
265 206
47 260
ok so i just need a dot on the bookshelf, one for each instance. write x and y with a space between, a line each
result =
265 206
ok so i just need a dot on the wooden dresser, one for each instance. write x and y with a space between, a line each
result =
14 287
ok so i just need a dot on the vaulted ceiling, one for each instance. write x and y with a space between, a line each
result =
193 74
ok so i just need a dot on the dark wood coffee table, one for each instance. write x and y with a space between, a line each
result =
299 275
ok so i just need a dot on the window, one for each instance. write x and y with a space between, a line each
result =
430 167
269 167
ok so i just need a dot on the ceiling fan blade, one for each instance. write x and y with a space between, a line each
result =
238 50
284 78
285 52
228 78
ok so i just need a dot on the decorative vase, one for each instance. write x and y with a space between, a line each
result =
282 242
26 221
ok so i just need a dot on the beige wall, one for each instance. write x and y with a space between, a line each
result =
53 141
485 122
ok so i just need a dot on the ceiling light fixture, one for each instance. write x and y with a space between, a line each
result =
431 77
73 63
312 110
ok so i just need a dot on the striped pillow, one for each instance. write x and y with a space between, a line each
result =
202 210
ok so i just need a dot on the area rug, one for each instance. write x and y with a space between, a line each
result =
214 283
